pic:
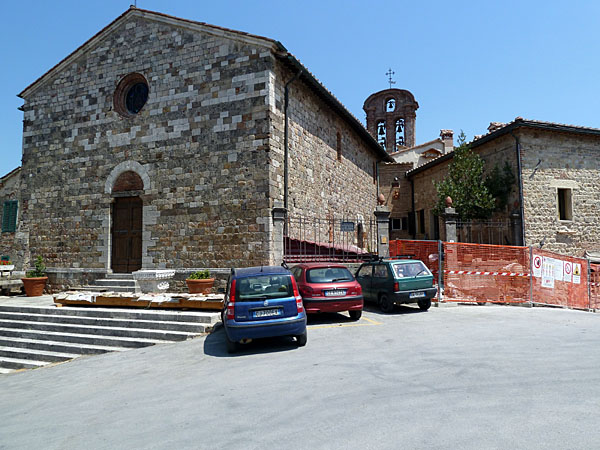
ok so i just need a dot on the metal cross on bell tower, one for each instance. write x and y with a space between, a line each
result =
389 73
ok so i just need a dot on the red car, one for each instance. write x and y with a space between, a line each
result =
327 287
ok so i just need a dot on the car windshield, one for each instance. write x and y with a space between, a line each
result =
263 287
412 269
328 275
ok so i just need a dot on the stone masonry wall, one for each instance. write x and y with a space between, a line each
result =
321 185
200 142
493 152
553 160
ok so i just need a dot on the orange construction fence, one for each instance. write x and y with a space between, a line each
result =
595 286
486 273
559 280
506 274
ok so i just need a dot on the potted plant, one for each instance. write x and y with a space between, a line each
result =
200 282
35 280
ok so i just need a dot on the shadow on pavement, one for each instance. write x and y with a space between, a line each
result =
328 318
398 309
214 345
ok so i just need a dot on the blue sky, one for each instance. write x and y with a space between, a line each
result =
467 63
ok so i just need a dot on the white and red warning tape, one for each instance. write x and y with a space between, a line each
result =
474 272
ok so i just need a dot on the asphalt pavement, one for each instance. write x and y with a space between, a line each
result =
464 377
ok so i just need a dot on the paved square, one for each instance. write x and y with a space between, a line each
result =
464 377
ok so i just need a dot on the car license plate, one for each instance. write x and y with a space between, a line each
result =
335 293
417 294
267 312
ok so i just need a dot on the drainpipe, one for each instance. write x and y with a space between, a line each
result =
412 206
285 141
519 174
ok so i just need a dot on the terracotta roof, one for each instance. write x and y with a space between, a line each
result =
518 122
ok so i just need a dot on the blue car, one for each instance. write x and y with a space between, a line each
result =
262 302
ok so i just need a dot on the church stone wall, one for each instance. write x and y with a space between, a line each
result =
331 168
202 139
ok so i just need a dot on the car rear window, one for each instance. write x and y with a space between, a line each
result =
328 275
263 287
412 269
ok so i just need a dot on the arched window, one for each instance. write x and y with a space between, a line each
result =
390 105
400 133
381 133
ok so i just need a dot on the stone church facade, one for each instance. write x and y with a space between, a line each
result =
160 143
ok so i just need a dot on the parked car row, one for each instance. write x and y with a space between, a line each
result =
271 301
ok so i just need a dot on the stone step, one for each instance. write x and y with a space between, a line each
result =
115 282
119 276
120 313
120 289
57 346
83 338
191 327
16 363
36 355
98 330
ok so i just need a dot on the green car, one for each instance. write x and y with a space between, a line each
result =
392 282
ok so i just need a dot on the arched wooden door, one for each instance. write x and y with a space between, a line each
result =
127 235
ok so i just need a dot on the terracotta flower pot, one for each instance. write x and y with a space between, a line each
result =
202 286
34 287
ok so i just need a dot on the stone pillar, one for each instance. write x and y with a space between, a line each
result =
450 218
515 225
277 238
382 214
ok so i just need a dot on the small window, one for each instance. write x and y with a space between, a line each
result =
374 173
381 271
365 271
339 146
9 216
396 224
422 221
565 204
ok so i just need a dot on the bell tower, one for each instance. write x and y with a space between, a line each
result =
391 117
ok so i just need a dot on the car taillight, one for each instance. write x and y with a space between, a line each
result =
396 286
306 291
231 304
299 305
358 289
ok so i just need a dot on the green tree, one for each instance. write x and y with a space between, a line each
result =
500 183
466 185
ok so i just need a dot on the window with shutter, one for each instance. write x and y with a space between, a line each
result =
9 216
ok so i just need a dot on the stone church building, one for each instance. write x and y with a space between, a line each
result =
161 142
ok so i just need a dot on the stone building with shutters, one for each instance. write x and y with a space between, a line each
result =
9 204
161 143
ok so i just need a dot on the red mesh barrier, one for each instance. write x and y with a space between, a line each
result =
486 273
595 286
560 280
426 251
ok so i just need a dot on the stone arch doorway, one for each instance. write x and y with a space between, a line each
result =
127 223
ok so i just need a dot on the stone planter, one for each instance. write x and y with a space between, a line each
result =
34 287
153 280
202 286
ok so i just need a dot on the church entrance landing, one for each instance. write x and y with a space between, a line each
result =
127 235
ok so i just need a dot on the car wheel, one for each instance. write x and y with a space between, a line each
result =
425 304
386 304
301 339
355 315
232 346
